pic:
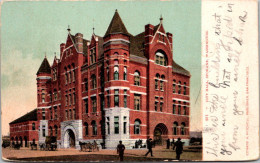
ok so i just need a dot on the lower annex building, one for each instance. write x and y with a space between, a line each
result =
110 88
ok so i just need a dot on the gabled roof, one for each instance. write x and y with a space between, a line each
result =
45 67
116 26
31 116
178 69
137 45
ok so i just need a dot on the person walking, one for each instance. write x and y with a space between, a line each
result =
168 142
120 150
149 147
179 148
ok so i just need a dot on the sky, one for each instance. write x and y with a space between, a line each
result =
31 29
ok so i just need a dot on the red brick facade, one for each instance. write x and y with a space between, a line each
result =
106 89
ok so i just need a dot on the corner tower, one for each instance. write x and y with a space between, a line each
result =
116 57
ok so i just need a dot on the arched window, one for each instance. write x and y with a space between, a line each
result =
174 107
160 58
56 130
137 102
184 89
174 86
94 82
86 128
179 87
33 126
116 73
175 125
137 127
43 97
94 127
182 128
125 73
86 84
156 81
116 53
137 78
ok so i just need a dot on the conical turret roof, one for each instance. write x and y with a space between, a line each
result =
45 67
116 25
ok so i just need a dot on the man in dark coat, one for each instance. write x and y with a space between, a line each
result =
168 142
120 150
149 147
179 148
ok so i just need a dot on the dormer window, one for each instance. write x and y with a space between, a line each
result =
160 58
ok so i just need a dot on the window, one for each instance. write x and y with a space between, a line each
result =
69 77
116 98
156 81
184 110
108 98
125 123
156 106
43 97
125 101
174 107
137 78
182 128
175 125
179 88
70 114
74 98
94 105
94 127
56 130
137 128
67 115
92 56
137 101
108 126
94 82
54 74
86 105
86 128
161 107
174 86
116 125
43 131
116 73
55 95
184 89
125 73
107 74
160 58
86 84
70 99
179 108
66 78
33 126
73 75
43 115
50 94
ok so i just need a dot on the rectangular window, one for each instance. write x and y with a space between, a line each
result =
125 101
116 124
156 84
94 105
156 106
108 101
43 115
55 113
116 96
179 109
66 97
184 110
137 102
74 98
174 88
161 106
70 114
43 131
50 113
173 109
157 59
125 127
161 85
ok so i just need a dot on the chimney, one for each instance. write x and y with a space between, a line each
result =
62 47
148 33
79 42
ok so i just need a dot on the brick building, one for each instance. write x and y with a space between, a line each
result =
111 88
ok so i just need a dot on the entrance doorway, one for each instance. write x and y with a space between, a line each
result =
69 139
160 134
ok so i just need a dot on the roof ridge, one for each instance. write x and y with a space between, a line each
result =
45 67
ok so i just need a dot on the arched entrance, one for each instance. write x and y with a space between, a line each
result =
160 134
69 139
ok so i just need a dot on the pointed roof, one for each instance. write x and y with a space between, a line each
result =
45 67
31 116
116 26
